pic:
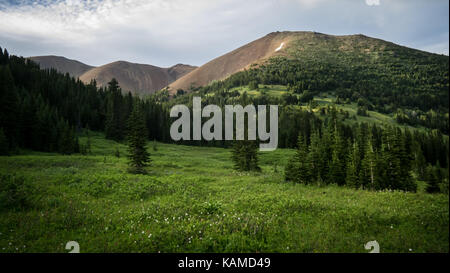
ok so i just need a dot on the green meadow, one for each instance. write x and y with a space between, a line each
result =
192 200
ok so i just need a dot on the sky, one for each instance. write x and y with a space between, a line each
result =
167 32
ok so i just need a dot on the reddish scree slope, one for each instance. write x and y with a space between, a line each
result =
236 60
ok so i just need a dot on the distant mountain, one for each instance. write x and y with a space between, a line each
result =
62 64
137 78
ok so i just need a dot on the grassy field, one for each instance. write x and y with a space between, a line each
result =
193 201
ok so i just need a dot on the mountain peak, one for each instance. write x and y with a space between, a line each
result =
61 64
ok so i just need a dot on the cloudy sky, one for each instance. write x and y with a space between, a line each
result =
166 32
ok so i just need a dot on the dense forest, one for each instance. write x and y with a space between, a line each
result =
45 110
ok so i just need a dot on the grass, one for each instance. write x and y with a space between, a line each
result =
271 90
192 201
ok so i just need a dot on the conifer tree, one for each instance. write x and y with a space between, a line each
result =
352 175
369 174
115 115
299 167
337 164
67 143
316 157
137 141
245 155
419 161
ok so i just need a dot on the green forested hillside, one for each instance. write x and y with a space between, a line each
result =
410 85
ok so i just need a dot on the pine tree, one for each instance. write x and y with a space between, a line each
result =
405 157
115 113
396 163
338 157
298 169
419 161
245 155
315 156
369 174
137 141
352 176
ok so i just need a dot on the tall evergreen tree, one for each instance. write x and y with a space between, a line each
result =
68 142
337 164
115 115
138 157
298 169
352 175
369 172
245 155
316 157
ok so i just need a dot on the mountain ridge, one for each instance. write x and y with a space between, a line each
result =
137 78
289 44
62 64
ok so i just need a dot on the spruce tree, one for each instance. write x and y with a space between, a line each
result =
352 175
245 155
369 173
316 156
115 113
337 164
298 169
138 157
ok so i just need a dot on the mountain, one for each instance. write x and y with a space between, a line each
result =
137 78
362 74
62 64
273 44
307 47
